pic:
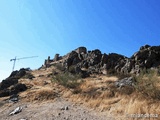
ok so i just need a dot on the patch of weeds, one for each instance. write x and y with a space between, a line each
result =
40 95
92 93
72 69
148 84
77 91
68 80
29 76
59 66
127 90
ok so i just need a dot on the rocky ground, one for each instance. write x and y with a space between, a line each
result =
59 109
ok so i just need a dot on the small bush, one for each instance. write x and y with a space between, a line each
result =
68 80
92 93
127 90
29 76
42 94
148 84
59 66
72 69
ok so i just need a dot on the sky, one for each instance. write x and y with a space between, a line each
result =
45 27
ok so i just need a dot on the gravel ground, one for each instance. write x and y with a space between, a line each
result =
59 109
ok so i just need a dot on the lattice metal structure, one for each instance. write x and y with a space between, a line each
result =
14 60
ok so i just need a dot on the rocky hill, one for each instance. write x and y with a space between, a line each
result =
95 62
85 85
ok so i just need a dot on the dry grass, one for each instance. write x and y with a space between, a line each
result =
101 95
39 94
97 92
148 84
40 88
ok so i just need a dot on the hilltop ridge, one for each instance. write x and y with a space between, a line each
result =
85 85
95 62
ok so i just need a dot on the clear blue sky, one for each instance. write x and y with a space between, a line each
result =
46 27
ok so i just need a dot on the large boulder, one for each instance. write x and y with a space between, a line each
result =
13 74
144 47
128 81
141 55
56 57
113 60
10 85
18 88
13 78
4 93
15 89
81 50
73 59
127 67
84 74
18 74
94 57
147 56
7 83
73 55
104 59
155 48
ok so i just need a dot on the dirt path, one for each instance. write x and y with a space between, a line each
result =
59 109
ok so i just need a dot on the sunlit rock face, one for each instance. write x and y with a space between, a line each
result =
94 61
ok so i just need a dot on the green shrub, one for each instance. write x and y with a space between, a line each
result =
72 69
68 80
59 66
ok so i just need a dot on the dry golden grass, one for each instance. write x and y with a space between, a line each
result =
39 94
40 88
98 92
101 95
148 84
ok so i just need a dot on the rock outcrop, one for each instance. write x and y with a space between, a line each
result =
96 62
128 81
10 85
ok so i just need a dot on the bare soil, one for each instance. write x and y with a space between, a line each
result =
58 109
